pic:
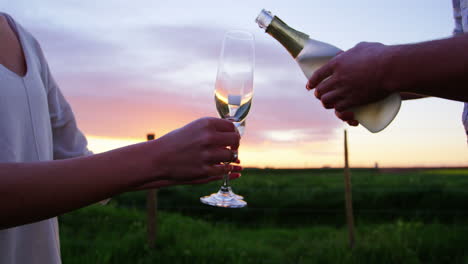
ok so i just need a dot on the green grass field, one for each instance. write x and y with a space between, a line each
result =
293 216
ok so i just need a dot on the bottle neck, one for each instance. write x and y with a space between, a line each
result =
293 40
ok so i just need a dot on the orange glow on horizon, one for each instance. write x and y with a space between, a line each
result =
268 154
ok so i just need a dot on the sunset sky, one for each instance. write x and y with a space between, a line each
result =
133 67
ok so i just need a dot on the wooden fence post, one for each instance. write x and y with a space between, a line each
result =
348 196
152 211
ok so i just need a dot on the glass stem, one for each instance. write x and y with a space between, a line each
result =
225 186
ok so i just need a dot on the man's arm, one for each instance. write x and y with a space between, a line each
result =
436 68
371 71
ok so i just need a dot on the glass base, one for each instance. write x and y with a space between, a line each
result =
238 197
224 198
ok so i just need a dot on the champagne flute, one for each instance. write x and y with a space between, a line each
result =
233 98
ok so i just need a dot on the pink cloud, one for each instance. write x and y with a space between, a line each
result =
136 114
117 100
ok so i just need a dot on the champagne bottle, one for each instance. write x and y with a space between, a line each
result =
311 54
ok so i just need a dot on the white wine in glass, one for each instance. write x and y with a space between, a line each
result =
233 98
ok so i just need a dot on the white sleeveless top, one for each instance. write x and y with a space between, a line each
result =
460 13
36 124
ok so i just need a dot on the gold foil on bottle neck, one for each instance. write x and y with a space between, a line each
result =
293 40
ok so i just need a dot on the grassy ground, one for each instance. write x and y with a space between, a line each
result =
294 216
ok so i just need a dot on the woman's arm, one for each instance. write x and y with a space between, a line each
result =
35 191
